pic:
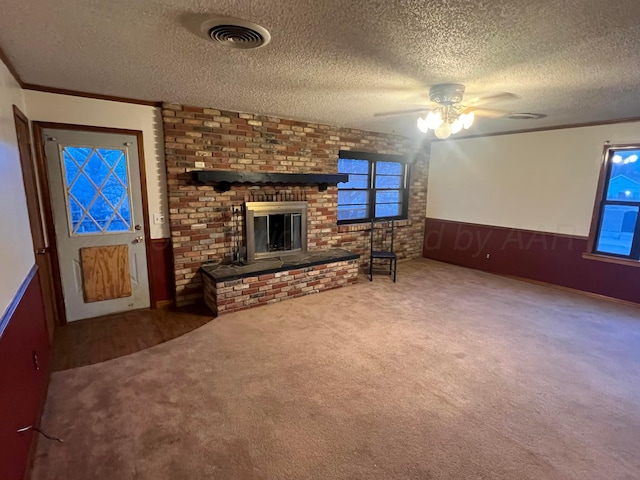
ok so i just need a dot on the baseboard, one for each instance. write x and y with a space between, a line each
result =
164 304
574 290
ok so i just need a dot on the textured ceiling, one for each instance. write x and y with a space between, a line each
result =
338 61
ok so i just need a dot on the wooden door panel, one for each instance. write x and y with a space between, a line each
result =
105 272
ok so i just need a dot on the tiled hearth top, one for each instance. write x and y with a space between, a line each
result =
223 273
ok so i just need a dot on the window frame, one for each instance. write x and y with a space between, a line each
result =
601 202
371 189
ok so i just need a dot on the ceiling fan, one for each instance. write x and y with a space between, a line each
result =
448 114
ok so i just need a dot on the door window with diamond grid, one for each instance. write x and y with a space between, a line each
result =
96 189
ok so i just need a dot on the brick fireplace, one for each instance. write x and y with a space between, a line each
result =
205 224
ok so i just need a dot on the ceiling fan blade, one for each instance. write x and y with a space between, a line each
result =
496 97
401 112
487 112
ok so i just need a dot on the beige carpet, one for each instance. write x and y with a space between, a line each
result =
448 374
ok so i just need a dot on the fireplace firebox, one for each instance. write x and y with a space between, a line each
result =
274 229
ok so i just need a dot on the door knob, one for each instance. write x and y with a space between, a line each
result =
139 239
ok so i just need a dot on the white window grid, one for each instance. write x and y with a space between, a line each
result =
85 211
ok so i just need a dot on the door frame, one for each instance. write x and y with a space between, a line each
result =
43 174
38 235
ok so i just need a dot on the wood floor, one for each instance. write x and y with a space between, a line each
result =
91 341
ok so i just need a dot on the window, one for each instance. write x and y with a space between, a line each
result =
377 187
616 230
96 189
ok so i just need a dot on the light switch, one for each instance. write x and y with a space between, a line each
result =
158 218
199 164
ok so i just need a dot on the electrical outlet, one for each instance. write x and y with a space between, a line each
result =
488 255
199 164
158 218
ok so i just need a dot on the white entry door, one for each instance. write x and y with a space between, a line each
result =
96 197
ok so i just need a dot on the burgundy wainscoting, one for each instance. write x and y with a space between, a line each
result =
24 345
162 281
544 257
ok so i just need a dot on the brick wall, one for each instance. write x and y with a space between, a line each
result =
202 223
234 295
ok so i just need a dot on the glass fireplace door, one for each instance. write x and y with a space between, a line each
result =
279 232
275 228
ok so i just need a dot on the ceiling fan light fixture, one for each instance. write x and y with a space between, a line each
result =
450 114
448 117
445 125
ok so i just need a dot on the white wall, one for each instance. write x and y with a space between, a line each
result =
543 181
51 107
16 249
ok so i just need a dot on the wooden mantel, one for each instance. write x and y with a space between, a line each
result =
222 179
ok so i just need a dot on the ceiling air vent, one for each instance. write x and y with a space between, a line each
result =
235 33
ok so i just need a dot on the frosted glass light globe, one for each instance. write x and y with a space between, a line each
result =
456 126
444 131
434 120
422 125
468 119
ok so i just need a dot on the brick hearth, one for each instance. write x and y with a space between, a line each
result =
230 288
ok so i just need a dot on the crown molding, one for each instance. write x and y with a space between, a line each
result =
545 129
97 96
